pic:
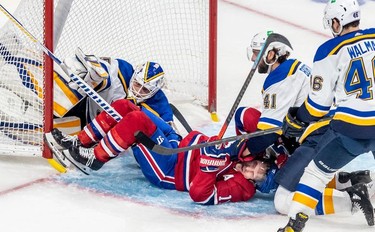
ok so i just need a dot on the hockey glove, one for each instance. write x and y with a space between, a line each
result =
278 153
86 67
292 127
268 184
214 158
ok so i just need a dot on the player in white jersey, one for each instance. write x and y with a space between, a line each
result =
343 72
278 96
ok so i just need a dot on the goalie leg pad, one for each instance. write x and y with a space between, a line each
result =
68 125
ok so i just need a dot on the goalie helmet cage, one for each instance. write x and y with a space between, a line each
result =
178 34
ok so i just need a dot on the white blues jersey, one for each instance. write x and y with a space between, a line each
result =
113 88
343 72
286 86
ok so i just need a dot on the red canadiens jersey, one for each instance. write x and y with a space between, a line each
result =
209 187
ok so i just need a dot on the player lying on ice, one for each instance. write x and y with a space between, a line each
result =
209 174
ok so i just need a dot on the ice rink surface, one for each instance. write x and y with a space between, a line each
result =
33 197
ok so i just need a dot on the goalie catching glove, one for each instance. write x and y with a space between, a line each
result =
86 67
292 127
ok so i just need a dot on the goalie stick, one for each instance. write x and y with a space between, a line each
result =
76 79
180 118
271 38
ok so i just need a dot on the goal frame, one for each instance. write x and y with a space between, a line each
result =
48 64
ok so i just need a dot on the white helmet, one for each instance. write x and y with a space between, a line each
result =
281 47
147 79
346 11
257 42
280 44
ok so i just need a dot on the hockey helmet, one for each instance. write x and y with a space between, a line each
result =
345 11
147 79
257 43
281 45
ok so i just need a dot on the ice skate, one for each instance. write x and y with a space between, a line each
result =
362 176
83 158
295 225
59 140
359 196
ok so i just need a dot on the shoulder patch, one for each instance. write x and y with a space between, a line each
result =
305 69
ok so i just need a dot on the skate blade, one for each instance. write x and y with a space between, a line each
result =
48 137
57 155
86 170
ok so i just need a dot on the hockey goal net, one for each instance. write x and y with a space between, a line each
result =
178 34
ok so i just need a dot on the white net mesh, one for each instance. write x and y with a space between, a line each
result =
21 89
173 33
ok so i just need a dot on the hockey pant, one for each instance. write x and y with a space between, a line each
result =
115 137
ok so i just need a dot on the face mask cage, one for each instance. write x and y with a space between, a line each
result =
139 91
142 87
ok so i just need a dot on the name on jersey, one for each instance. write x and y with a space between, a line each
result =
361 48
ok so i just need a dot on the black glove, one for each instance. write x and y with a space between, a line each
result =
292 127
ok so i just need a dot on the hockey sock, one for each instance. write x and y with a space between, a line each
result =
121 136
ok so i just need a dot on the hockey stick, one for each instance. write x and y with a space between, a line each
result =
150 144
180 118
147 141
271 38
81 83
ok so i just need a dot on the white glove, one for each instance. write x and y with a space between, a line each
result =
76 67
86 67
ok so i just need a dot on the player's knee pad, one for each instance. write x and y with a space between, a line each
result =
133 122
124 106
121 137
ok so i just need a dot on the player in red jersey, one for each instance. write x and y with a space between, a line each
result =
212 175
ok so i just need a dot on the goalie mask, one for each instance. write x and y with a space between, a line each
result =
147 79
345 11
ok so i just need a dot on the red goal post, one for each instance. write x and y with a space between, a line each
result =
179 34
